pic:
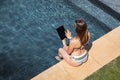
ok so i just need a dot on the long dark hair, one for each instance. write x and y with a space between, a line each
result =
81 30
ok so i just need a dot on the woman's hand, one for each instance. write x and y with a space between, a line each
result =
68 34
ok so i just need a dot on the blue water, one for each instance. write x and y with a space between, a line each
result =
28 39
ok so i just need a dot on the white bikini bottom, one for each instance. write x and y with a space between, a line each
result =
82 58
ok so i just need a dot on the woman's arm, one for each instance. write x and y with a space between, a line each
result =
68 35
88 37
70 47
64 42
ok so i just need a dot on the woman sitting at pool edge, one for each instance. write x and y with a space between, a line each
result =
75 54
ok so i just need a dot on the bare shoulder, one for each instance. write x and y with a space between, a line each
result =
88 34
72 41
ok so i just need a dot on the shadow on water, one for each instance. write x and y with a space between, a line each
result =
88 46
106 8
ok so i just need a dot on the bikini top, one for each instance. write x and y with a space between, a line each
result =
81 47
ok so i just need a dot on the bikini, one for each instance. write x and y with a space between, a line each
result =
81 58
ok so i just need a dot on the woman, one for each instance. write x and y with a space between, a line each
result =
75 54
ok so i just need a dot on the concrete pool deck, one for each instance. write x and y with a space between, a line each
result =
103 51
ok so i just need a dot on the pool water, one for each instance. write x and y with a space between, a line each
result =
28 39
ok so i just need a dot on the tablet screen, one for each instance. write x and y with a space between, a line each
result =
61 32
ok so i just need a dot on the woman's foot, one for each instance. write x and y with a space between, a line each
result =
58 58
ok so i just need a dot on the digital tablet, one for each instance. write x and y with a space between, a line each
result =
61 32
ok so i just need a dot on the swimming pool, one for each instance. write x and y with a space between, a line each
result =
28 39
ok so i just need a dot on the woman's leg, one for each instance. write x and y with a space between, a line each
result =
59 57
67 57
64 42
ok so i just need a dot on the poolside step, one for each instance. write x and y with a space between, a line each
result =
104 50
96 12
110 7
115 5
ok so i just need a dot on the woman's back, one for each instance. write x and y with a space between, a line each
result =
78 47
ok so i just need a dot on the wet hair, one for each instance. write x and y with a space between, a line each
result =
81 28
